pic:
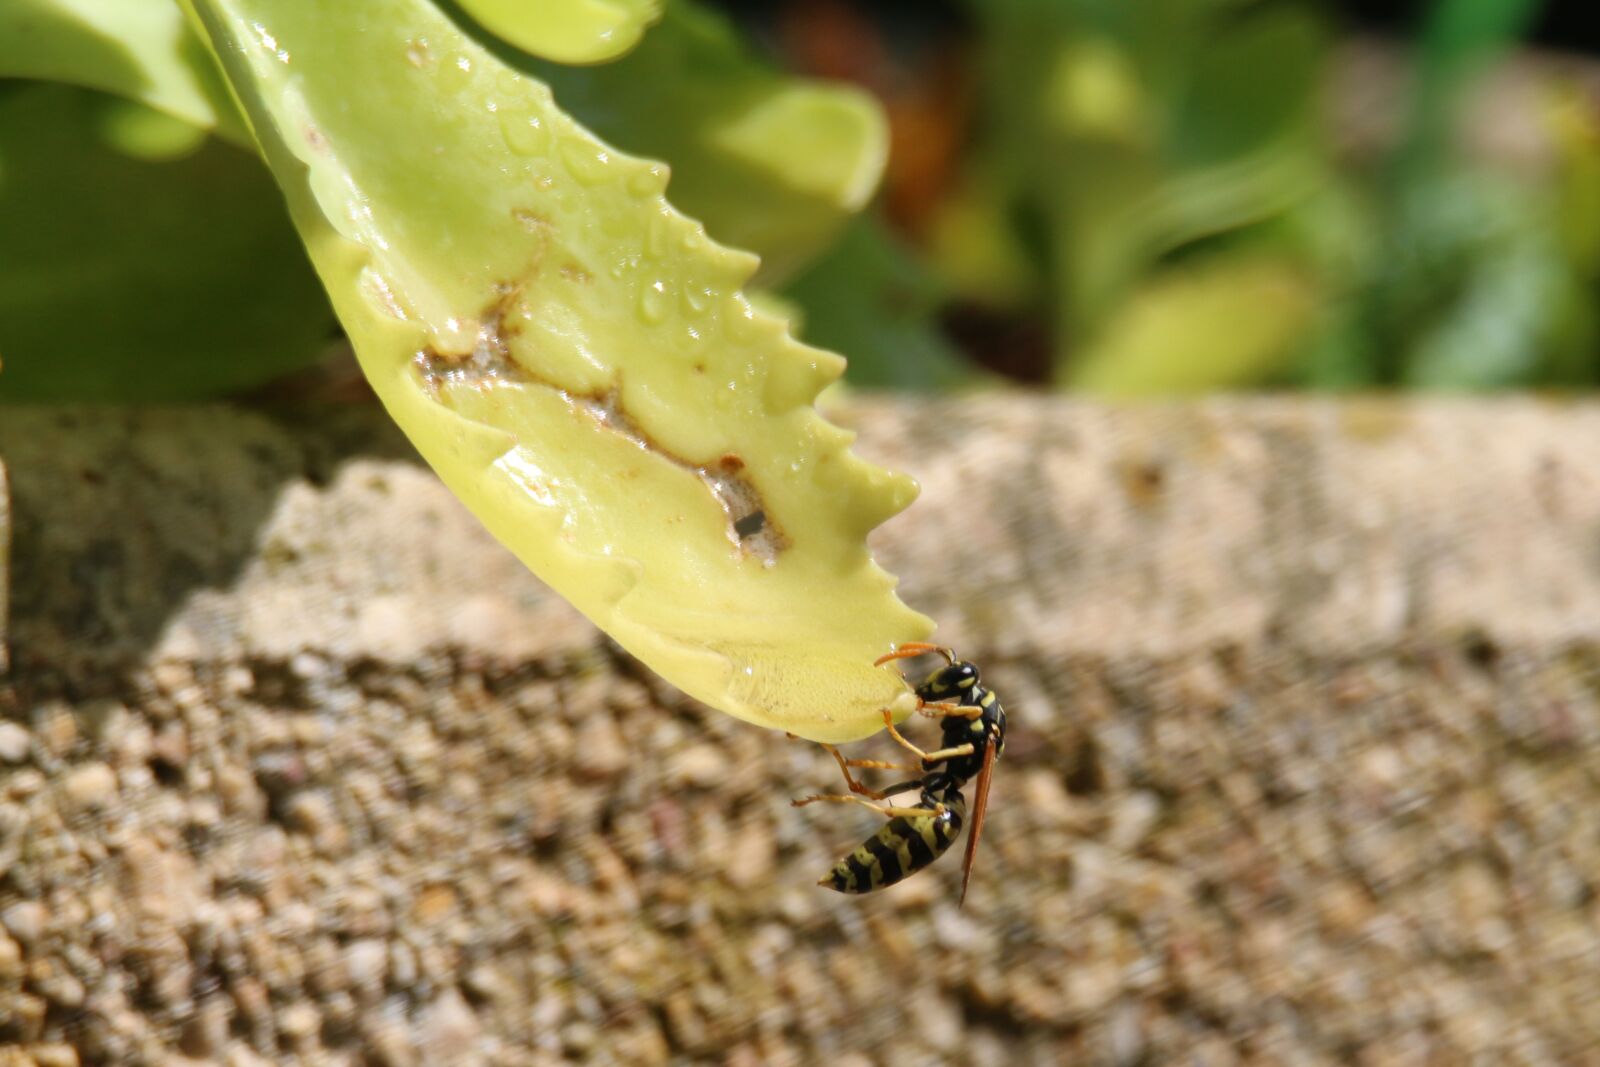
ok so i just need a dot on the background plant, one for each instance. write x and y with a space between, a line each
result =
1185 195
1115 197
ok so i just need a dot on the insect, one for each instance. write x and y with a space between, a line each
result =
974 736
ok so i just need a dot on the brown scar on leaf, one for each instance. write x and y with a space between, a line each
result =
488 362
498 317
531 221
751 528
541 227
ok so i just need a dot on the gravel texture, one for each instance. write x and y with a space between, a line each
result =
298 767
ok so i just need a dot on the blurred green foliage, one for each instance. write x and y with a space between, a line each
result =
182 276
582 31
770 163
1160 188
140 258
1160 180
869 297
139 49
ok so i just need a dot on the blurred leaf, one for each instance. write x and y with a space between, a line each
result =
1225 323
769 163
140 49
1458 37
1124 131
1479 299
1474 288
1499 328
1574 125
1235 148
975 249
149 277
869 299
149 135
1435 306
1335 231
567 31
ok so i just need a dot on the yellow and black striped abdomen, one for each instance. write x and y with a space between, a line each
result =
901 847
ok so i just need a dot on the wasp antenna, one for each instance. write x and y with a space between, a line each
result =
915 648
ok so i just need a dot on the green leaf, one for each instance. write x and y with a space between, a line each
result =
769 163
1120 132
1225 323
1234 148
137 264
1501 326
140 49
975 249
577 360
567 31
1480 296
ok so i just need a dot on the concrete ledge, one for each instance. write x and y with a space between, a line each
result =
295 761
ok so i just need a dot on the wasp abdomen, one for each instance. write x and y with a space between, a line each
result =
901 847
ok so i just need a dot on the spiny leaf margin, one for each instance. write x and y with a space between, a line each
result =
572 356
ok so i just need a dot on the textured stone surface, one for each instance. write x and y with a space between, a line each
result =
299 766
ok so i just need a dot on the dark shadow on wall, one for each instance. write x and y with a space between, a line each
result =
119 515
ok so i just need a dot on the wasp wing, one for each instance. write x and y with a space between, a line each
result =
980 804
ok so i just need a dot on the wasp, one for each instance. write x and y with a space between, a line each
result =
974 736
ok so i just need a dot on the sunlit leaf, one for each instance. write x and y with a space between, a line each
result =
1226 323
577 360
769 163
140 49
568 31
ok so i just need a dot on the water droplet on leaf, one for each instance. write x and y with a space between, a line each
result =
585 162
653 302
524 134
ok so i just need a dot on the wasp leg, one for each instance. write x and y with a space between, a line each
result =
945 710
886 810
883 765
949 753
849 779
929 757
888 723
875 764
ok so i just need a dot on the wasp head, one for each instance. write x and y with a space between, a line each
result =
951 682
